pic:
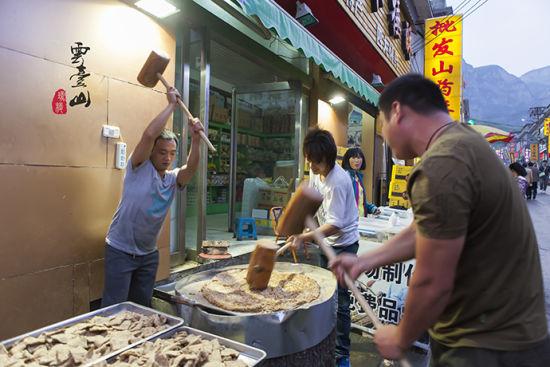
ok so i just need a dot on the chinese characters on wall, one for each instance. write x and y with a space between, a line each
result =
394 29
443 59
78 83
78 52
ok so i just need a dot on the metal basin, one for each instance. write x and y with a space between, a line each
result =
279 333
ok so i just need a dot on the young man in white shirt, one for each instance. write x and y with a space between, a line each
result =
337 218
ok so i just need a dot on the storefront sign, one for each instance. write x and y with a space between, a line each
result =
376 4
385 45
534 152
390 33
406 40
443 59
384 288
547 126
394 18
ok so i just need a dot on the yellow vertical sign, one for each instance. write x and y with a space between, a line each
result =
534 152
547 126
443 59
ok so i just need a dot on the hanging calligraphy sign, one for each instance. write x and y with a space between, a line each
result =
443 59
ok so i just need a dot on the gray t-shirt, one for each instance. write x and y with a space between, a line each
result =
146 198
338 208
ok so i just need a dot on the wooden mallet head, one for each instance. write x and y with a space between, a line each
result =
154 66
304 202
261 265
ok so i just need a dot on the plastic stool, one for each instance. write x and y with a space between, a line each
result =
245 228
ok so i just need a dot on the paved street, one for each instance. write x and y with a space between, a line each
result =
363 350
540 213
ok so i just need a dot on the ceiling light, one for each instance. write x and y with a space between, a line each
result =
304 14
377 81
158 8
336 100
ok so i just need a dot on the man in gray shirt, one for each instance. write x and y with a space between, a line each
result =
131 255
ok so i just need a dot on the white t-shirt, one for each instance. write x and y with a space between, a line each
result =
338 208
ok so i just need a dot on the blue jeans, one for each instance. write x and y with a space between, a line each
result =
343 320
129 277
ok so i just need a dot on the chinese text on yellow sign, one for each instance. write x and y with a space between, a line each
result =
443 59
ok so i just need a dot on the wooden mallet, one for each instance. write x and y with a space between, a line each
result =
291 222
299 214
306 202
151 73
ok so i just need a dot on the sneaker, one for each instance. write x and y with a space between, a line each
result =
343 362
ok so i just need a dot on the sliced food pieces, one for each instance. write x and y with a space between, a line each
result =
83 342
180 349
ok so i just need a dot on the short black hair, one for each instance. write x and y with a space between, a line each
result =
530 164
518 168
353 153
319 145
167 135
414 91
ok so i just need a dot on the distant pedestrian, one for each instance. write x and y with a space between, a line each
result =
519 174
529 178
532 193
544 173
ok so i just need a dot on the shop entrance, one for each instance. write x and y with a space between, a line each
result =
256 166
255 117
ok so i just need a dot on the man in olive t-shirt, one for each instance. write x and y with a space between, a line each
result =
477 285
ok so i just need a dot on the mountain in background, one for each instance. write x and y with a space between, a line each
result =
501 99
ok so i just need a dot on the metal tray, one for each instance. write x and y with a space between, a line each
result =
247 354
173 322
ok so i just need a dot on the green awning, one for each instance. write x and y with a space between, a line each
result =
288 28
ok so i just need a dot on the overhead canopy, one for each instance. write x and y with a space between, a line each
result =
493 134
276 18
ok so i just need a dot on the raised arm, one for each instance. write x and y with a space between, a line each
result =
152 131
188 170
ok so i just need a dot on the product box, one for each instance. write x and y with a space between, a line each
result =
398 188
399 202
401 172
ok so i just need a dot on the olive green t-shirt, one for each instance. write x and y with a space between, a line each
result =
461 188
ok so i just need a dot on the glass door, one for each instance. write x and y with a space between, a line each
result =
266 132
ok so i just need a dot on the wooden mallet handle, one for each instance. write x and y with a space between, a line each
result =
331 255
188 113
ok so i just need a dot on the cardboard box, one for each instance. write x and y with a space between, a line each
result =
273 197
260 213
219 114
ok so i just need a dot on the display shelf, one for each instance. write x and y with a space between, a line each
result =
226 127
217 208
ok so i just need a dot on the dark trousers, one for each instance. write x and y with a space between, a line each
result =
129 277
532 190
543 183
537 356
343 320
